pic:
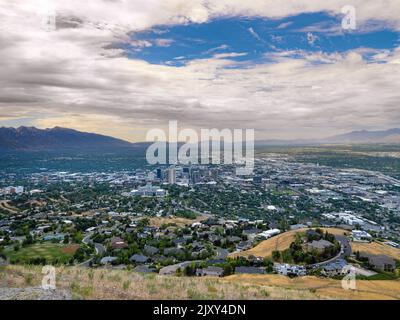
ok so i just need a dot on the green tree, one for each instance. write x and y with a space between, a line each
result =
276 255
269 265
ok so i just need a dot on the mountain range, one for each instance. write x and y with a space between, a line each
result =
64 139
391 136
364 136
56 139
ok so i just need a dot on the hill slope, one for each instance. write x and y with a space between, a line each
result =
280 242
94 284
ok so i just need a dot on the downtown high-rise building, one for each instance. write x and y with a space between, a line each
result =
159 174
171 176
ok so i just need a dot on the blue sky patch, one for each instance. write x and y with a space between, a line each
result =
253 38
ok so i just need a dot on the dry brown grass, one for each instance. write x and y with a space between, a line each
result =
70 249
122 284
326 288
178 221
37 203
280 242
376 248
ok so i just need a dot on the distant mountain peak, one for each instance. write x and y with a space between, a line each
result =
24 128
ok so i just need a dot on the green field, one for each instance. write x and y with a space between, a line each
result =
43 253
375 157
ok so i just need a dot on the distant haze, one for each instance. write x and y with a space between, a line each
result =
63 139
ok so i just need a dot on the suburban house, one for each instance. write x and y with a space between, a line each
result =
297 226
172 251
380 262
179 242
108 260
249 270
150 250
287 269
319 245
313 233
269 233
244 245
149 191
210 271
233 239
51 237
117 243
139 258
251 233
334 268
361 236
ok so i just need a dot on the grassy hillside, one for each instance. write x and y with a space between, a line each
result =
280 242
325 287
376 248
82 283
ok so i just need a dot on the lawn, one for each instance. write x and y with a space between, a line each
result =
53 253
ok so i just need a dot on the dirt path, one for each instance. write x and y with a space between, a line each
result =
5 205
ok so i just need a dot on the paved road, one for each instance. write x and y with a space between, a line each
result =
345 251
86 240
171 269
346 247
99 248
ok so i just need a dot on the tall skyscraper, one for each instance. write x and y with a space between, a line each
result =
159 174
171 176
195 177
186 170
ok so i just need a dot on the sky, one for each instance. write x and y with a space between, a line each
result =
288 69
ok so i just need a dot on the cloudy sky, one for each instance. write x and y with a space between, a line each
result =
286 68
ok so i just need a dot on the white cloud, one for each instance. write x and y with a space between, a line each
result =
219 48
285 25
254 34
311 38
141 43
163 42
79 76
229 55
